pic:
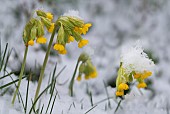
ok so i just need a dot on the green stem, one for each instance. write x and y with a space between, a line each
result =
21 74
44 64
72 80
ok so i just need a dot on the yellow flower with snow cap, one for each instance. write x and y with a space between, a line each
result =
135 64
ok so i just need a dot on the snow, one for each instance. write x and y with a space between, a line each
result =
116 23
134 58
72 13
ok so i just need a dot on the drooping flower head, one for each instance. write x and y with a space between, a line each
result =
34 29
86 68
71 28
135 64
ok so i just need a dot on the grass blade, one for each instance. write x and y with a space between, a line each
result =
53 82
26 100
42 109
19 94
90 109
118 106
39 97
8 55
7 75
8 84
105 86
2 62
53 103
53 78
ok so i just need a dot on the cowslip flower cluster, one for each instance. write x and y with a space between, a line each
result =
34 29
86 68
71 28
135 65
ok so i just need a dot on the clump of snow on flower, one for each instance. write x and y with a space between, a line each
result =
135 59
73 13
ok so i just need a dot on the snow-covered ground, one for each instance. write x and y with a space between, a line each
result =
116 23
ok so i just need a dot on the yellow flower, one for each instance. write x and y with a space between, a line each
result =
63 52
79 30
93 74
59 47
119 93
50 30
78 78
86 28
123 86
146 74
82 43
142 85
70 39
76 29
41 40
137 75
31 42
49 16
87 77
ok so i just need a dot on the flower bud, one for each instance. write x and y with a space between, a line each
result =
46 22
76 21
60 37
33 33
41 13
83 57
40 28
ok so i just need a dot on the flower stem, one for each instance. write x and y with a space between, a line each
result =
72 80
44 64
20 75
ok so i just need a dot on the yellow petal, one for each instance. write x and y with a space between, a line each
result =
78 78
59 47
123 86
31 42
142 85
50 30
41 40
70 39
83 43
93 75
49 16
119 93
63 52
88 25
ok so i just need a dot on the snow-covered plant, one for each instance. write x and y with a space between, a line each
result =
134 64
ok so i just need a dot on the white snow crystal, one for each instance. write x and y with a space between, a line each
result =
73 13
135 59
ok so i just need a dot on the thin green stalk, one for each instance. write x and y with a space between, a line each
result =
26 100
3 58
72 80
33 105
21 74
44 64
10 83
105 86
53 103
118 105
